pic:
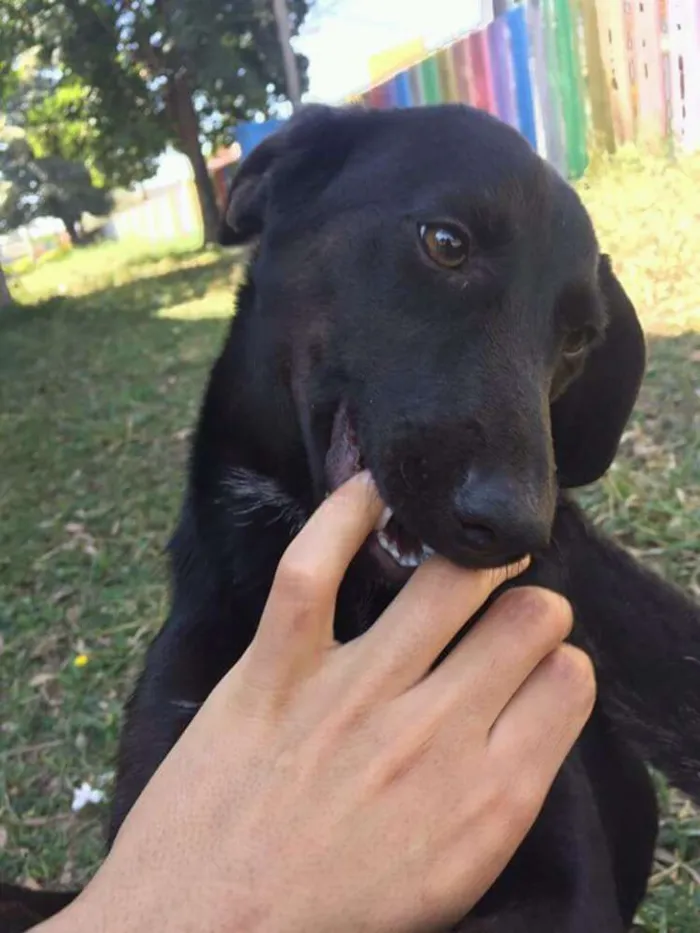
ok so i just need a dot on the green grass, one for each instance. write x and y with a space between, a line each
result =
103 364
98 394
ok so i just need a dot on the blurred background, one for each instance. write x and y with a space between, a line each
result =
122 123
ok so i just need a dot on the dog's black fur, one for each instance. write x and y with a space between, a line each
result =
474 407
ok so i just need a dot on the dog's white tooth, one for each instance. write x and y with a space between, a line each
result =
409 560
386 544
384 519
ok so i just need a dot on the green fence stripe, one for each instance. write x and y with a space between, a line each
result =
572 105
430 81
553 113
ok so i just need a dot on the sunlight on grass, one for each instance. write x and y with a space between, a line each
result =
647 215
81 270
213 305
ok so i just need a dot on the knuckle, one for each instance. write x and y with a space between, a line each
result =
542 614
574 669
298 581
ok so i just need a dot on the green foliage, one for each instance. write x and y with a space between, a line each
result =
32 186
66 118
71 122
134 74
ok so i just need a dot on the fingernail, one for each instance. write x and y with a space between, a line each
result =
366 477
514 570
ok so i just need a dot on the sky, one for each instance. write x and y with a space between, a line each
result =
342 35
340 38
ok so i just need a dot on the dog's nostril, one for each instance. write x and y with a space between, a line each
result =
497 516
476 534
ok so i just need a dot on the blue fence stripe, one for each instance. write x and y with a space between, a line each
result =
520 50
499 52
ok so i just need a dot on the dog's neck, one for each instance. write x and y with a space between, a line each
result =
248 420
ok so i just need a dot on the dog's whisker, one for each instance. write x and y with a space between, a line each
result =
251 492
189 706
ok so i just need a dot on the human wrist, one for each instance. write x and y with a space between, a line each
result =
104 909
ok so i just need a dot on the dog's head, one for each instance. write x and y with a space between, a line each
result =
430 297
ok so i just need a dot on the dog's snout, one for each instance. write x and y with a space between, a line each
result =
500 517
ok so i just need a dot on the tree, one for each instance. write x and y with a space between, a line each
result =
70 122
64 118
38 187
181 70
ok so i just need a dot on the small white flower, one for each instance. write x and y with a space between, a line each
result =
84 795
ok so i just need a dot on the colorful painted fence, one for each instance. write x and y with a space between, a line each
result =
169 212
570 74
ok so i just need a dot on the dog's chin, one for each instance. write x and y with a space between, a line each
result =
392 550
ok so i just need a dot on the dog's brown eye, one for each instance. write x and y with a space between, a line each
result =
576 341
446 246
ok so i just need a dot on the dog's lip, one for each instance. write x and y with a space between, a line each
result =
343 458
396 550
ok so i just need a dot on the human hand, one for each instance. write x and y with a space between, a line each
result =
346 787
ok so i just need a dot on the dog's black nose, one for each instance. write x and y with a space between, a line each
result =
501 517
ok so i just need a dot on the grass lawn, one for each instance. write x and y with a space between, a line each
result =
102 366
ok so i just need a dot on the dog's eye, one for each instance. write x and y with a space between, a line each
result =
445 245
576 341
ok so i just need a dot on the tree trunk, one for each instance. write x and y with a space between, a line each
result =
72 230
291 71
187 127
5 296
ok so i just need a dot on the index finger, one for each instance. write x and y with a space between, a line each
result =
302 599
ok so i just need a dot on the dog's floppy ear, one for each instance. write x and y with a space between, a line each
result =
290 167
589 418
249 192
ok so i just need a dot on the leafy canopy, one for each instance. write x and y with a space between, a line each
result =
115 65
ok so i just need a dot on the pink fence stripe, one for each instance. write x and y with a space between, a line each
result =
481 69
652 118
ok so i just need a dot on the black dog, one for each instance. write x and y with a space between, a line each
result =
426 299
